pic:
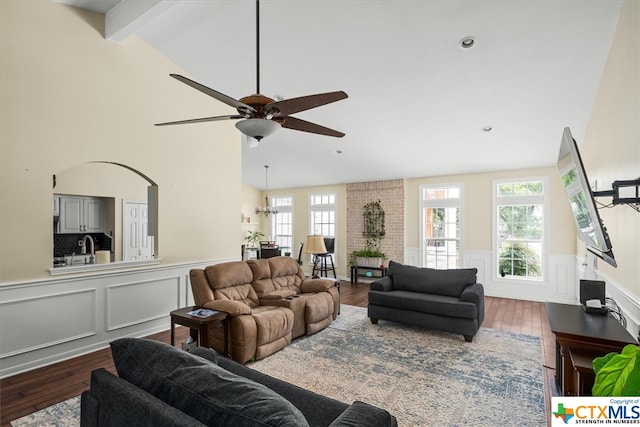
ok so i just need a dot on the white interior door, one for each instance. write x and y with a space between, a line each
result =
137 245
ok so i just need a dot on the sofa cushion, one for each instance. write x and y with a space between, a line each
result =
261 281
200 388
431 281
285 273
285 266
441 305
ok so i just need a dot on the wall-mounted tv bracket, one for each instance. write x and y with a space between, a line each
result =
623 199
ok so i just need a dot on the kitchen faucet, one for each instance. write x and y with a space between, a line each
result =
84 247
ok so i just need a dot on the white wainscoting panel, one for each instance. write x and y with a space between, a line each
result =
54 319
477 259
138 302
559 284
27 325
412 256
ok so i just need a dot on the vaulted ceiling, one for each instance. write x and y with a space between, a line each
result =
419 104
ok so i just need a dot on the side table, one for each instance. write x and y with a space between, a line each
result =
200 326
370 270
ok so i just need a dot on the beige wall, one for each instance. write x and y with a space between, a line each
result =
251 198
478 208
70 97
611 147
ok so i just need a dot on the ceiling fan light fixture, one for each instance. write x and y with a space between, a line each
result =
257 128
266 209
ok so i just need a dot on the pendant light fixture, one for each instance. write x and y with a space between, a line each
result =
266 209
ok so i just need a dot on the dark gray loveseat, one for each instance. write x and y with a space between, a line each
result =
446 300
159 385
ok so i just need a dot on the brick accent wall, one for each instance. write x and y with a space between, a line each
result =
391 196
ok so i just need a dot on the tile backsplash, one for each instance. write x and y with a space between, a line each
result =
66 244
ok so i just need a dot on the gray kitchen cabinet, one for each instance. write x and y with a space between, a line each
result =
82 215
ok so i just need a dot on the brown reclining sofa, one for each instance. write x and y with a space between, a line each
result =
269 301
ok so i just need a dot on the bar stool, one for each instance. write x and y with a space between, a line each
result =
320 265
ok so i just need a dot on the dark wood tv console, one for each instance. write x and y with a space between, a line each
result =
578 333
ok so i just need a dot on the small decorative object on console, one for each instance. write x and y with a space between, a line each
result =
202 312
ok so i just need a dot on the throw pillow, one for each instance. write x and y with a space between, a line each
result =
200 388
432 281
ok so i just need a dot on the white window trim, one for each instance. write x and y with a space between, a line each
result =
288 209
545 239
333 205
459 203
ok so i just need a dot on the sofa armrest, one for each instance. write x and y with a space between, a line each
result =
234 308
385 284
316 285
475 294
112 401
363 414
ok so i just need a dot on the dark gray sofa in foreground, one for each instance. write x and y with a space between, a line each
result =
446 300
159 385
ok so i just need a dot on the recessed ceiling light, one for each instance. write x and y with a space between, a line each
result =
338 151
467 42
487 128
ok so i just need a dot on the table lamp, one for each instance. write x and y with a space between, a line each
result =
315 245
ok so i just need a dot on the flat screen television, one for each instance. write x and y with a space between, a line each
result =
590 228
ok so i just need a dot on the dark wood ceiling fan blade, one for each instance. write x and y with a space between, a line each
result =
305 126
302 103
214 93
203 119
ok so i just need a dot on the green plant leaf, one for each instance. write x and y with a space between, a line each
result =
618 374
599 362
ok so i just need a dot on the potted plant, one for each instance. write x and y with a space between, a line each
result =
367 258
370 256
253 237
618 374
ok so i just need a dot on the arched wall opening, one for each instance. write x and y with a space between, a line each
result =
110 188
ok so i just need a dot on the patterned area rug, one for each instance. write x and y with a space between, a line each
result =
63 414
422 377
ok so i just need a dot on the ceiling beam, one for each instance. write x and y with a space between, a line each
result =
129 15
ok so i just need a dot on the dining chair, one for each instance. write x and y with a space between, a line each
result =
299 260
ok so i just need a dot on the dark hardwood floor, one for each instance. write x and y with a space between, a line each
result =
28 392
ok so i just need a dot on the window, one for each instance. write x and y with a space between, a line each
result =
441 236
282 222
322 209
520 228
